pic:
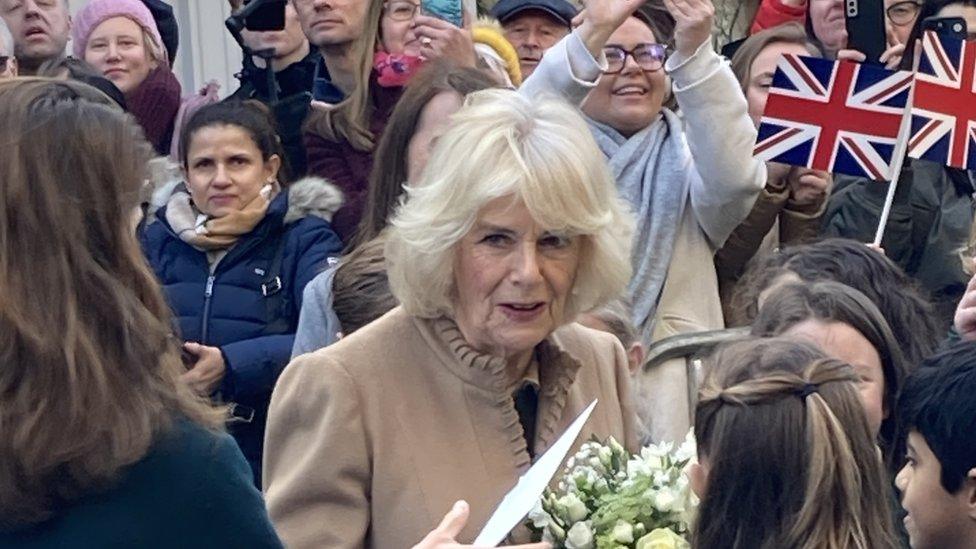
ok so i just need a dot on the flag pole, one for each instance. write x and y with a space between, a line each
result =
898 160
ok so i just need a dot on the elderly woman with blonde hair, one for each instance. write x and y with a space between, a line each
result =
453 394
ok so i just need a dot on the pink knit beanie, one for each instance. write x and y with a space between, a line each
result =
98 11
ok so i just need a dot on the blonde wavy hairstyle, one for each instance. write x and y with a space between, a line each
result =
791 460
501 144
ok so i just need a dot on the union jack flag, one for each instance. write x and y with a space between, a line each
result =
944 105
834 116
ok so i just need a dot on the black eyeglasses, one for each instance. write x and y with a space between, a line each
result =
649 57
400 10
903 13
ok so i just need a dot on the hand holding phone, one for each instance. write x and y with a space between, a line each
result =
445 10
865 20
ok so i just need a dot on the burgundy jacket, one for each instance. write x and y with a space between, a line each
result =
347 167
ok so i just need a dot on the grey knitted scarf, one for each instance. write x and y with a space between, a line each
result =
652 170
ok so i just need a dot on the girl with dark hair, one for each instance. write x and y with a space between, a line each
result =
812 479
897 296
234 250
847 326
103 445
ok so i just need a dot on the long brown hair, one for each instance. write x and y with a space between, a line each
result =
349 120
89 374
790 457
389 171
828 301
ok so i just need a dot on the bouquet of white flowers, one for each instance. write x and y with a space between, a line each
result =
610 499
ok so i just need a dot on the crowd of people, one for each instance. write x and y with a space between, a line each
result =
351 303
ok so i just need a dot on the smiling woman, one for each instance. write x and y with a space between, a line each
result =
491 268
120 39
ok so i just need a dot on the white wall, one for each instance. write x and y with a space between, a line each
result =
207 51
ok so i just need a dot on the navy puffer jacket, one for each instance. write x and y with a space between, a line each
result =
249 306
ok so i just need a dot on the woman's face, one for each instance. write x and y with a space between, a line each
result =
829 25
225 169
761 75
844 343
512 279
396 33
117 48
631 99
434 119
904 13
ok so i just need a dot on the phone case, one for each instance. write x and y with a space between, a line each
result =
950 26
866 28
448 10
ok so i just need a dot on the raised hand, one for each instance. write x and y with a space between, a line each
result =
600 18
693 24
440 39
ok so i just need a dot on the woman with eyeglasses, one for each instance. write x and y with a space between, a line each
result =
900 15
826 24
689 180
341 137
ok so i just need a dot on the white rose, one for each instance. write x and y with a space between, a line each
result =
622 532
575 508
637 467
540 519
664 500
687 450
579 536
662 478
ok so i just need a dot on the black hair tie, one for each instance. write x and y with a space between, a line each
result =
807 390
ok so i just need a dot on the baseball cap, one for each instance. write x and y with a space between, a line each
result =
561 10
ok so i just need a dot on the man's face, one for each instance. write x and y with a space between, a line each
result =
532 32
285 42
936 519
331 22
40 29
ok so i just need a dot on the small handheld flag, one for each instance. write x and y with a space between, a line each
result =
834 116
944 109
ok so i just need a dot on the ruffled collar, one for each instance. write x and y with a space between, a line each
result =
557 373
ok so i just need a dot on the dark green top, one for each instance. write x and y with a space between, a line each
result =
193 489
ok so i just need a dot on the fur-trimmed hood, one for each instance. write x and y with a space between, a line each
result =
313 196
310 195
